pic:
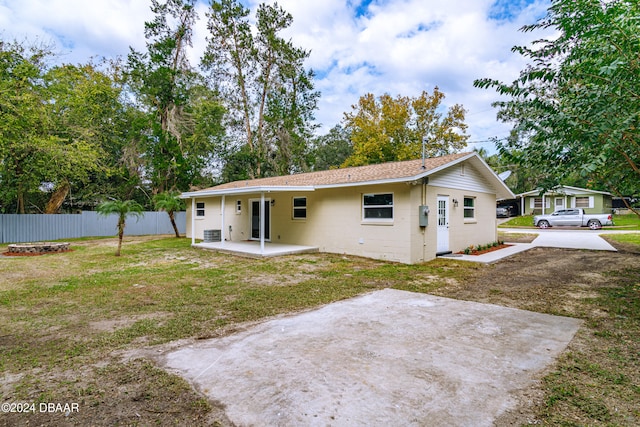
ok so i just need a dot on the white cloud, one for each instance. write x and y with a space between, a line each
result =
400 47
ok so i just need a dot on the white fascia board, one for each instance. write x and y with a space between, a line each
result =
563 190
245 190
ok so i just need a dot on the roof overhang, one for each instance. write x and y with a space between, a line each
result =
564 190
245 190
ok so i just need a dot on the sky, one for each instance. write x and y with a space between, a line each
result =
398 47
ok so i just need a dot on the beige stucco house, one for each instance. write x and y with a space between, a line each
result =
402 211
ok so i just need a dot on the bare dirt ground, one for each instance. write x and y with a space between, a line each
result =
555 281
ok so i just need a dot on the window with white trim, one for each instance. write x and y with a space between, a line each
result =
377 207
199 209
536 203
238 206
299 208
469 208
584 202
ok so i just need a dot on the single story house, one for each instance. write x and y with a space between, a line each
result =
407 211
564 197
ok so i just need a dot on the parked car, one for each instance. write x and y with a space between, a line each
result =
502 212
572 217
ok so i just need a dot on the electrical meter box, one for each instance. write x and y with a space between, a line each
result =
423 215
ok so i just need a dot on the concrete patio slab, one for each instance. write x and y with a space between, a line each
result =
252 249
386 358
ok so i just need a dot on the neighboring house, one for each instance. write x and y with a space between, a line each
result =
402 211
564 197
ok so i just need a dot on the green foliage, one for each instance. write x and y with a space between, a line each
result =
171 203
52 125
331 150
575 107
122 209
268 93
185 116
390 129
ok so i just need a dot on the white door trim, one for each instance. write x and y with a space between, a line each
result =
442 225
266 210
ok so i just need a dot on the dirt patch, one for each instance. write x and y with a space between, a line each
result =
123 322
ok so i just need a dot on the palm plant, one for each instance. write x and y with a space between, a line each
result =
171 203
122 209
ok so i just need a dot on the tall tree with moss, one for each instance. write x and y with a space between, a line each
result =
177 98
386 129
268 93
576 107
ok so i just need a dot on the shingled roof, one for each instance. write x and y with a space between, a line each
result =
385 172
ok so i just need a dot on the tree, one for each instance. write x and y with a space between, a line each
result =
23 121
84 115
576 106
122 209
47 131
390 129
170 203
268 93
331 150
176 97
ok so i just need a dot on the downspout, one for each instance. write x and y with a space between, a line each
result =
193 221
424 229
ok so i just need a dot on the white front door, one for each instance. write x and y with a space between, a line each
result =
255 220
442 235
559 203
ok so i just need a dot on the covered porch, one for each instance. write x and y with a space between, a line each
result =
254 249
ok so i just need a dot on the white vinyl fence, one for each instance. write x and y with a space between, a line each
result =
38 228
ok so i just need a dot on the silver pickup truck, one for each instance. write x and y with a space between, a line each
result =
574 218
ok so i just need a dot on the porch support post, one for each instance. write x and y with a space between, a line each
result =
193 220
262 223
543 205
222 205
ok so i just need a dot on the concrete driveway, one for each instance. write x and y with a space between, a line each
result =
568 238
572 239
386 358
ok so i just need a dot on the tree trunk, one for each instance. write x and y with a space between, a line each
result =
120 236
57 198
172 217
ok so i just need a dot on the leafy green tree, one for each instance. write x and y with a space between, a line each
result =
86 115
575 107
122 209
48 125
331 150
171 203
269 95
23 121
390 129
177 98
